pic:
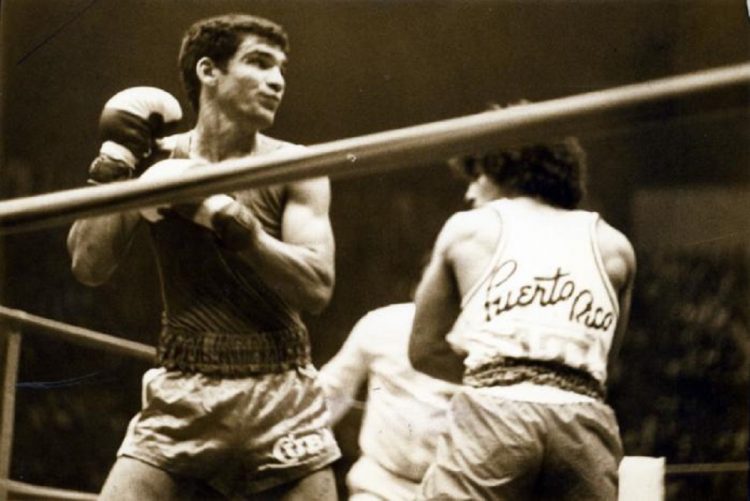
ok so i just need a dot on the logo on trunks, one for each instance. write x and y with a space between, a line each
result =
291 449
544 291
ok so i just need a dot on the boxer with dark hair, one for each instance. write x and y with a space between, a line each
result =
524 300
233 407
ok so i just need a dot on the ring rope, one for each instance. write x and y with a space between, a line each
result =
78 335
52 493
416 145
706 468
23 490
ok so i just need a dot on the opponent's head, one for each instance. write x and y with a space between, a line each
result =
217 39
553 172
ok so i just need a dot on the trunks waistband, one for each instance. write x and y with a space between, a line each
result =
506 371
234 355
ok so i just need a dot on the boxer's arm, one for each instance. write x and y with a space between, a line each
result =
438 304
300 266
619 261
96 245
130 126
625 296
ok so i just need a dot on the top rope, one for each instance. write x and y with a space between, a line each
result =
416 145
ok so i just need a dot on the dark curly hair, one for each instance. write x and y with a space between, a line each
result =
553 172
218 39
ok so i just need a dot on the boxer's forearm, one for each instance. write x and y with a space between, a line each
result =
302 276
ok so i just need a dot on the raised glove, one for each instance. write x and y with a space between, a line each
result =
130 124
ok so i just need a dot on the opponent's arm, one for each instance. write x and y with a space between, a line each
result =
625 295
437 307
620 264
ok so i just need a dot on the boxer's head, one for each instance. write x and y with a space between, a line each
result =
553 172
218 39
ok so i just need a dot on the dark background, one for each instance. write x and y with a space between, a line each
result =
676 183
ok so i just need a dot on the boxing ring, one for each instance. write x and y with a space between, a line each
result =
363 155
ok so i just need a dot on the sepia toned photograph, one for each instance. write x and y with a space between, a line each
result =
375 250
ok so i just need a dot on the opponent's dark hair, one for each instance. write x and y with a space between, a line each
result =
554 172
218 38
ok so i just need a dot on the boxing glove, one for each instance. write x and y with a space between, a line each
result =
234 225
130 126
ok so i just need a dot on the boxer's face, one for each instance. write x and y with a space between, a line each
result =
482 190
253 84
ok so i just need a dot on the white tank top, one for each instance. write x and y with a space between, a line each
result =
544 296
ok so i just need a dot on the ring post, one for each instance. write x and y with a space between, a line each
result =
10 349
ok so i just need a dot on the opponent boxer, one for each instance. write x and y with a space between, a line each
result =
523 301
234 407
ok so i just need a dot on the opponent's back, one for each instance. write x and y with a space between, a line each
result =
534 285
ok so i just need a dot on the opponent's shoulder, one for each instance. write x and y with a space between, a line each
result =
468 224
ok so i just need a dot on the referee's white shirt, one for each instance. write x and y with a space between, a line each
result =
405 411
